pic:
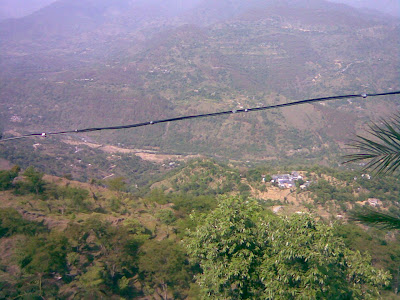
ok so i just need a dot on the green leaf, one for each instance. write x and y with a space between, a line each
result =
382 150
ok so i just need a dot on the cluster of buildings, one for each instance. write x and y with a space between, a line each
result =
287 181
365 176
374 202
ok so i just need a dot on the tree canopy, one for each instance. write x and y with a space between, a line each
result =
245 253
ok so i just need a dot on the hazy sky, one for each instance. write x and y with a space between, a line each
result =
387 6
20 8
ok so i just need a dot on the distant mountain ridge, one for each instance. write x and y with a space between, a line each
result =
20 8
70 18
92 63
391 7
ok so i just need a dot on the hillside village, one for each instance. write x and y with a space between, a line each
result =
287 181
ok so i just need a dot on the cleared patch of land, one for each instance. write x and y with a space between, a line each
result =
148 155
5 164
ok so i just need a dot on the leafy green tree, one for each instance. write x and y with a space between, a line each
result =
247 254
114 249
163 267
90 285
157 195
229 246
186 204
35 180
11 222
166 216
7 177
121 258
77 197
117 184
306 260
133 226
385 253
44 254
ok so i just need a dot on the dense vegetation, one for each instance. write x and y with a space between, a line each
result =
246 254
66 239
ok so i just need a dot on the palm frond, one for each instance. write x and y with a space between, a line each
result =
376 218
382 150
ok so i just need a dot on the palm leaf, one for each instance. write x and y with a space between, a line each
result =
375 218
382 150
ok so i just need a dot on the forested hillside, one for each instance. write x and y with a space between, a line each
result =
247 238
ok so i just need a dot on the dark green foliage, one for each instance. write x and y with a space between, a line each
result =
108 256
307 261
34 182
385 253
90 285
382 187
376 218
206 177
255 175
164 268
382 150
104 257
243 188
117 184
11 222
344 175
245 254
45 254
185 204
228 244
77 197
6 179
166 216
158 196
324 191
42 257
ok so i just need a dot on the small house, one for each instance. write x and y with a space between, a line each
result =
374 202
